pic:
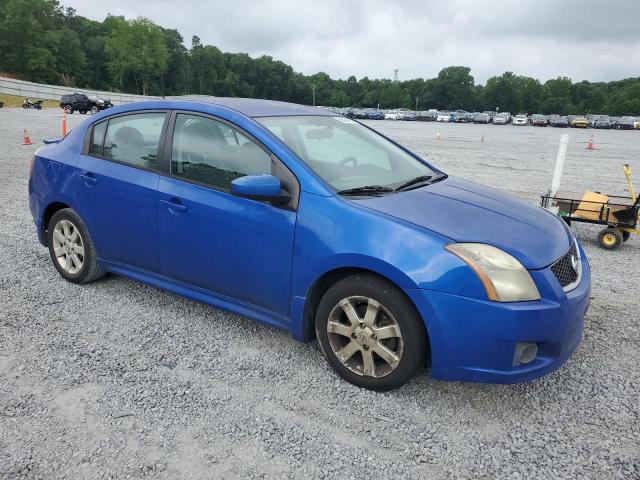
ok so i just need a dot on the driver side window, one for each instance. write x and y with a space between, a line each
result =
213 153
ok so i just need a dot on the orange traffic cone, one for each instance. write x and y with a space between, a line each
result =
25 139
590 144
64 124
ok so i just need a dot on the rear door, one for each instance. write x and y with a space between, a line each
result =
117 187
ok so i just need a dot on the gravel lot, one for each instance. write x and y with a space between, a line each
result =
119 380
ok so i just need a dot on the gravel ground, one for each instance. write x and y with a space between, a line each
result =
120 380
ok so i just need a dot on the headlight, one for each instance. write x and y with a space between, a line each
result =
503 277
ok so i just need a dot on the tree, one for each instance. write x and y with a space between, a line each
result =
137 48
43 42
454 89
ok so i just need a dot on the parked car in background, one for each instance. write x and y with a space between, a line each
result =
99 103
625 123
637 123
407 115
360 114
391 115
348 112
501 119
461 117
482 118
600 121
491 114
443 116
539 120
374 114
579 122
428 116
318 225
558 121
520 120
79 102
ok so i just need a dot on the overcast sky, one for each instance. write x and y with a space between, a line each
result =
584 40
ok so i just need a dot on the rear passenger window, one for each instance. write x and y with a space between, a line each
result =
134 139
97 140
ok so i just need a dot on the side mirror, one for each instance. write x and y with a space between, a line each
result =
259 187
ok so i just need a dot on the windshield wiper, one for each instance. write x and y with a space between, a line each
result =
366 190
422 179
414 181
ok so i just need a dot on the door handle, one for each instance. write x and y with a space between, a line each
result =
175 205
88 178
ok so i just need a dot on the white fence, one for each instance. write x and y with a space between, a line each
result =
10 86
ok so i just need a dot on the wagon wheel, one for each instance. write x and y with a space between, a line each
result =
610 238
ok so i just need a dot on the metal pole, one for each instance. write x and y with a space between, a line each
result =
557 173
313 88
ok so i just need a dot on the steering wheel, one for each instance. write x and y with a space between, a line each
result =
349 159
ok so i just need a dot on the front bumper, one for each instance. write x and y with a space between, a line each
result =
475 340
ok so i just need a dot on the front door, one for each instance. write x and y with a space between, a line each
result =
235 247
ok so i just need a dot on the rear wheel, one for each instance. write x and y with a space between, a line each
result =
68 109
71 248
370 333
610 239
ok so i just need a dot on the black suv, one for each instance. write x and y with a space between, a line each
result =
83 103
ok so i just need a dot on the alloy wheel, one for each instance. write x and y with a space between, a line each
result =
365 337
68 246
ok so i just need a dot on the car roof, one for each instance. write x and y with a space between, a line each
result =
254 107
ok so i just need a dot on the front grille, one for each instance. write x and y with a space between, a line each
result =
563 269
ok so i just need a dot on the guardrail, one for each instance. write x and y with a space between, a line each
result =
11 86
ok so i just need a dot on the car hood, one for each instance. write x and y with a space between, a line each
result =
465 211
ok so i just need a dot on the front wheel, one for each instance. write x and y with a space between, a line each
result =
610 238
93 110
370 333
71 248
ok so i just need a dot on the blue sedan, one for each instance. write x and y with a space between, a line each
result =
319 225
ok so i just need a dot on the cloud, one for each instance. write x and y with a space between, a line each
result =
587 39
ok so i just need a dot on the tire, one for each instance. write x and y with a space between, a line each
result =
625 236
82 112
610 238
68 109
395 317
64 225
94 110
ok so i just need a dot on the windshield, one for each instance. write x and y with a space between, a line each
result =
346 154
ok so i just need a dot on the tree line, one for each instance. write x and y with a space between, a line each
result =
44 42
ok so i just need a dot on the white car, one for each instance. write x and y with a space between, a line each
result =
443 117
520 120
391 115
